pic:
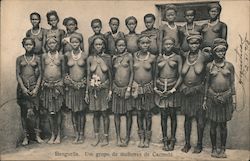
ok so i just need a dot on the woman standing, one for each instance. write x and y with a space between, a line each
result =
75 81
193 74
167 80
28 73
220 95
99 82
123 77
53 66
143 92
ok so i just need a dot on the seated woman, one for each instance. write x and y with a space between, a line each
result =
220 95
167 80
99 81
142 89
28 73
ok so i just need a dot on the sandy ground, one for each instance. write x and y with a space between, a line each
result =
68 151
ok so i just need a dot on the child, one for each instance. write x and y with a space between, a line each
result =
37 33
167 80
143 90
28 73
214 28
123 76
75 82
132 36
170 29
113 35
220 95
96 25
99 82
53 20
53 65
153 33
71 25
188 28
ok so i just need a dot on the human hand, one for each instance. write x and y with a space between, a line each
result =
204 106
30 113
34 92
26 91
109 96
86 98
127 94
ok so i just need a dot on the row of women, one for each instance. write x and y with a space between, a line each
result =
131 72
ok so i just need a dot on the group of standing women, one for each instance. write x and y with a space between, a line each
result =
170 67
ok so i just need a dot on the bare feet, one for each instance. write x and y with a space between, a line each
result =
39 140
97 140
58 140
25 141
222 154
119 142
197 149
186 148
51 140
105 141
125 143
81 138
141 144
76 139
214 153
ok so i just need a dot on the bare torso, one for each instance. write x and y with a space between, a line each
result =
143 69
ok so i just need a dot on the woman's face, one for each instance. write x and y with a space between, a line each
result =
131 25
121 46
52 44
170 15
28 45
168 45
53 21
98 45
71 26
189 16
213 13
75 43
96 28
144 44
194 45
220 52
34 20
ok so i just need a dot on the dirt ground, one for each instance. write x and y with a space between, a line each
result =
68 151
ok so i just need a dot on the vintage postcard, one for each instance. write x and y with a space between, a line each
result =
124 80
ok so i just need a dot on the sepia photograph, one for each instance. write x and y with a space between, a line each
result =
125 80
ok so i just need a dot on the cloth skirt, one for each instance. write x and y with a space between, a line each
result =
75 94
120 105
143 96
219 106
172 100
52 95
98 97
192 99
